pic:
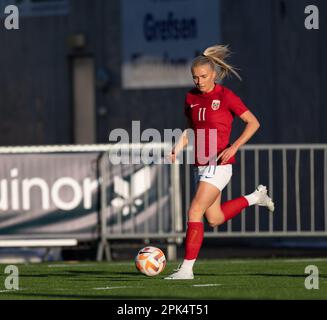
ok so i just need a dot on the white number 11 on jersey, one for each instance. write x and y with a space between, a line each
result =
202 114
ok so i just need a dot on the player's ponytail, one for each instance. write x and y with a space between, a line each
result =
215 56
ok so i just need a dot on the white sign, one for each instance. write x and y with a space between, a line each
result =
161 37
30 8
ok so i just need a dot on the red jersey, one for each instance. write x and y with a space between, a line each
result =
211 115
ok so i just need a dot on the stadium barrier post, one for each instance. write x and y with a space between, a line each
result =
103 246
176 216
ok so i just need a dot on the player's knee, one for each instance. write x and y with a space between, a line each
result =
212 223
216 221
195 213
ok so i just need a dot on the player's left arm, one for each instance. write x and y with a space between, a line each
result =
252 125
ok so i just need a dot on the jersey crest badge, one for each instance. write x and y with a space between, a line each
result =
215 105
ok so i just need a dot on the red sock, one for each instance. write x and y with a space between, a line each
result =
193 241
233 207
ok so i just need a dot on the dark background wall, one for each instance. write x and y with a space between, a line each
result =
282 64
283 67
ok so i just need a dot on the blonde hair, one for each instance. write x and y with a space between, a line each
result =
215 56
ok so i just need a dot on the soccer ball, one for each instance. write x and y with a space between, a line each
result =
150 261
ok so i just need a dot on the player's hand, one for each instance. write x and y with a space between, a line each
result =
171 157
227 154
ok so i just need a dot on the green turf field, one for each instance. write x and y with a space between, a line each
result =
214 279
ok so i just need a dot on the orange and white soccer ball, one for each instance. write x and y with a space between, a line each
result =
150 261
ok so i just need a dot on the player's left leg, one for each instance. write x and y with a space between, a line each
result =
205 195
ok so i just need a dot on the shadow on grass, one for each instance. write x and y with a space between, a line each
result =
76 273
255 275
86 276
283 275
55 296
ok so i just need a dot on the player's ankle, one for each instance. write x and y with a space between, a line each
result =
188 264
252 198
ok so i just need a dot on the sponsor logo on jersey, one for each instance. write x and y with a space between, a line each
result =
215 105
194 105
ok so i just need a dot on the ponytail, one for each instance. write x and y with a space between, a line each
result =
215 56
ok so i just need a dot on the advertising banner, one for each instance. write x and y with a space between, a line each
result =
58 195
49 195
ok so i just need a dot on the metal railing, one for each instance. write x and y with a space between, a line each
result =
140 202
296 177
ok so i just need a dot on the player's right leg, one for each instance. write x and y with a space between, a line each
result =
214 214
218 213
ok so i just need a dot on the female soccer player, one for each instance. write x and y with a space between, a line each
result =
210 109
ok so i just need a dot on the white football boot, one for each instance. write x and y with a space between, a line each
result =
181 274
263 199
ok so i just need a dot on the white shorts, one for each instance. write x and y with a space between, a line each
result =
218 176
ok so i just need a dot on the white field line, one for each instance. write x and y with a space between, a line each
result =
11 290
120 287
207 285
